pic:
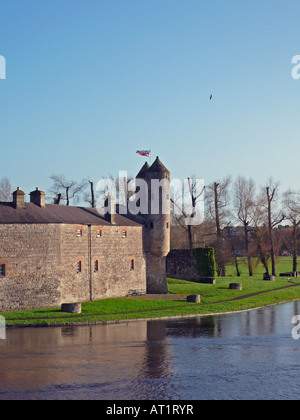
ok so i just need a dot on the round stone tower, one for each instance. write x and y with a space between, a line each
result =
157 222
158 180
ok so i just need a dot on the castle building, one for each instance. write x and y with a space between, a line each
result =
52 254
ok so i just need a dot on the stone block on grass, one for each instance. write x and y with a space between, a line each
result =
268 277
71 308
236 286
194 298
208 280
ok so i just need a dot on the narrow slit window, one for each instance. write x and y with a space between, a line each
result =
79 233
96 265
132 264
99 233
2 270
79 266
124 234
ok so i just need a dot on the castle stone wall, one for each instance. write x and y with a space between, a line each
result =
42 264
181 264
115 276
31 254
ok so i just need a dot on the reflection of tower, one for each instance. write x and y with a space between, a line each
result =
157 355
157 221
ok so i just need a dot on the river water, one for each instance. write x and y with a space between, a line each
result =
247 355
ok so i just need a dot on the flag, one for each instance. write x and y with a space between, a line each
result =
144 152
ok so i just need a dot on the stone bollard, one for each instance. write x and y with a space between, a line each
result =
194 298
236 286
269 277
71 308
208 280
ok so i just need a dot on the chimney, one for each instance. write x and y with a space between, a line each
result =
38 197
19 199
110 209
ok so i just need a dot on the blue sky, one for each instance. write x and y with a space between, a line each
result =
90 82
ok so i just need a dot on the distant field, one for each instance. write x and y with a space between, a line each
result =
214 299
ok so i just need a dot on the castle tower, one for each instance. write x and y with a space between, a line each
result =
157 222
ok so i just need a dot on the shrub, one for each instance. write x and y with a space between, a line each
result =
205 261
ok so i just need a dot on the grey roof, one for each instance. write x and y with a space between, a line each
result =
54 213
143 171
157 166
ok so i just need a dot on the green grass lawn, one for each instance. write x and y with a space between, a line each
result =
115 309
220 291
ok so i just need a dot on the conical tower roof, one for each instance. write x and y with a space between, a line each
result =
157 166
143 171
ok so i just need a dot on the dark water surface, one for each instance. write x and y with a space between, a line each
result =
249 355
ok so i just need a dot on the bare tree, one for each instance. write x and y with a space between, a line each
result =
186 206
217 202
244 207
259 232
274 215
65 189
5 189
89 196
292 206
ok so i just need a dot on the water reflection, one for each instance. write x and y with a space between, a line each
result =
243 355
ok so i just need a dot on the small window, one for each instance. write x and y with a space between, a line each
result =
78 233
132 264
79 266
167 225
96 265
151 225
2 270
99 233
124 234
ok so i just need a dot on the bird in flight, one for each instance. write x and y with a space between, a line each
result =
210 97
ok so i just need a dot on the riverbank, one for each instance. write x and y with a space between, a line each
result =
82 320
215 299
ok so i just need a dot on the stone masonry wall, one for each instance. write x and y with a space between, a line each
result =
116 273
31 254
42 264
116 276
181 264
